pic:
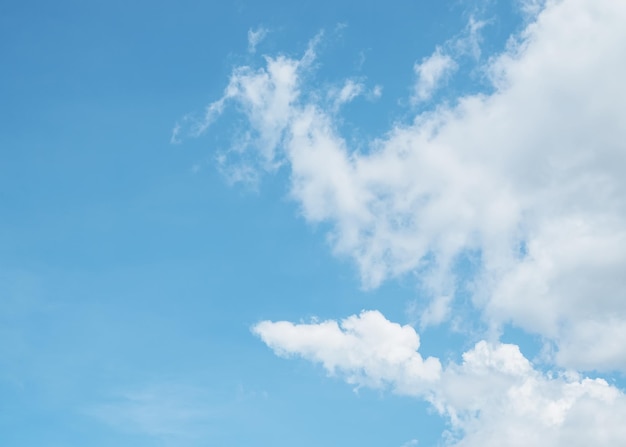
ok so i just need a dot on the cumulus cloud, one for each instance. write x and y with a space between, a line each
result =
494 397
529 178
368 350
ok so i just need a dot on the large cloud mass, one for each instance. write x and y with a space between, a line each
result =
529 178
494 397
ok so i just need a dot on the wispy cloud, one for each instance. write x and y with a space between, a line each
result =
348 92
161 410
255 36
430 72
433 71
531 7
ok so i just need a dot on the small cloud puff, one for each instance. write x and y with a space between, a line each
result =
431 72
255 36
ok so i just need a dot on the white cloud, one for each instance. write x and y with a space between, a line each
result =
537 164
367 350
529 179
531 7
494 397
255 37
470 40
376 92
430 72
160 410
434 71
174 139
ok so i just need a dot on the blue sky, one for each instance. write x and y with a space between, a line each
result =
380 224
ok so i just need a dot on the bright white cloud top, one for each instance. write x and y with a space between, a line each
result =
527 177
494 397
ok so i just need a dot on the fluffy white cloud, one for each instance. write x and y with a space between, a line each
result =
530 178
494 397
368 350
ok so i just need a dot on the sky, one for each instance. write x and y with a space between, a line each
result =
384 224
